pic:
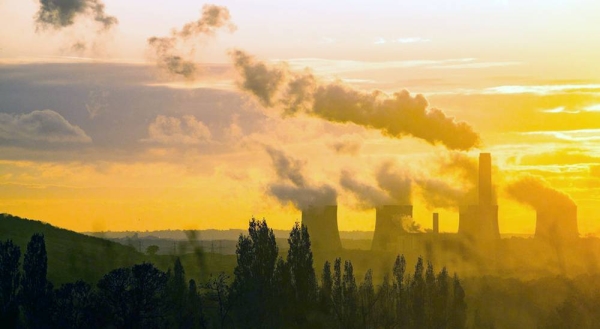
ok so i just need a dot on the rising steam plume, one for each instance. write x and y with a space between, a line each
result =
537 193
167 50
452 183
292 185
57 14
556 212
396 115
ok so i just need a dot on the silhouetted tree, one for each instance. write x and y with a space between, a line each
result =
36 291
177 295
252 288
401 297
417 296
193 313
367 300
152 250
326 289
350 297
458 317
134 297
218 294
74 306
10 277
302 274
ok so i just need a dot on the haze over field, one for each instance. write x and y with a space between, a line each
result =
131 115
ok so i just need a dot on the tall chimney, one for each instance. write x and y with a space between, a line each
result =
321 222
485 179
436 223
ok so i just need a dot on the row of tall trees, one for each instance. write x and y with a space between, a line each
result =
267 291
270 292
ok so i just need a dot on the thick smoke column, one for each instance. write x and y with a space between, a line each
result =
537 193
58 14
396 183
396 115
169 57
293 187
367 195
452 183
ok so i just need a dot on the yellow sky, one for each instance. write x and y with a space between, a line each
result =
125 146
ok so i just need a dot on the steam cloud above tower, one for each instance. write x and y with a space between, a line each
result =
396 115
292 185
537 193
167 50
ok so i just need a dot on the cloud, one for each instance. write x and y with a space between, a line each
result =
578 135
58 14
293 187
346 146
567 156
396 115
44 126
542 89
167 50
171 130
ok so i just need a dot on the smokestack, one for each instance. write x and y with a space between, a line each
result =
436 223
321 222
485 179
557 223
388 225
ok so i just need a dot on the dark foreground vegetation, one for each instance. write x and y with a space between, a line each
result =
266 291
67 280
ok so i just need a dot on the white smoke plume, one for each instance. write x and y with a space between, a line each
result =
396 115
292 185
168 51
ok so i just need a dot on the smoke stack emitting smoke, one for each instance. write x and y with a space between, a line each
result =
171 59
293 187
396 116
58 14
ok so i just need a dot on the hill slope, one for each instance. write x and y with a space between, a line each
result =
71 256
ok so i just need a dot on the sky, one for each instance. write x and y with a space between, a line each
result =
101 129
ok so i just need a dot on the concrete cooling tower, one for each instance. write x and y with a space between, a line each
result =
557 222
388 225
321 222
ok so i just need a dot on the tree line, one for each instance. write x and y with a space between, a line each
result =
266 291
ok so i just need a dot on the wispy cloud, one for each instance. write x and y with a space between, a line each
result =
543 89
592 108
581 135
560 109
330 66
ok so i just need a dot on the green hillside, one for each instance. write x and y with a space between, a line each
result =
73 256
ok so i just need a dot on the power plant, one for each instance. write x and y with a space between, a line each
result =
478 223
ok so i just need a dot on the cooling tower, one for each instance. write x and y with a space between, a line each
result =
388 225
321 222
557 222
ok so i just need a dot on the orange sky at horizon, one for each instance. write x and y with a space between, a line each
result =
125 146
